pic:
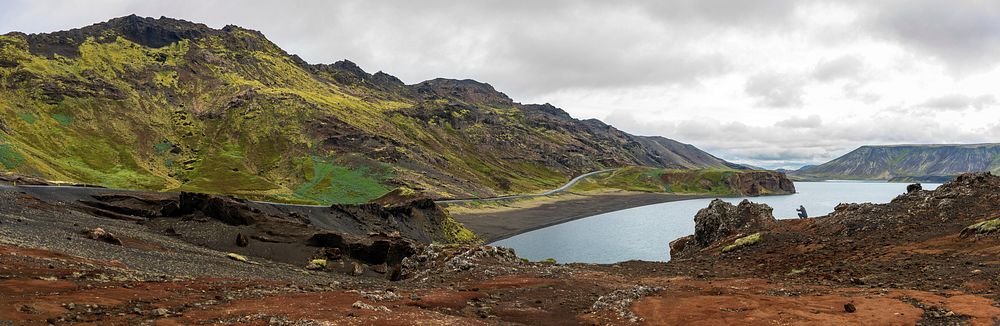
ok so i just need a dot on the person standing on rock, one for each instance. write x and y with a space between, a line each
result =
802 212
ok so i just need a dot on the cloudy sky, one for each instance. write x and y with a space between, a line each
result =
765 82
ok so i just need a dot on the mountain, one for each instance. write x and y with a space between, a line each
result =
167 104
932 163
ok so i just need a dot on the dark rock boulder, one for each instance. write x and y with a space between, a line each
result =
226 209
104 236
138 204
373 249
721 220
914 187
241 240
677 246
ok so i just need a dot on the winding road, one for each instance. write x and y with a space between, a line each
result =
564 187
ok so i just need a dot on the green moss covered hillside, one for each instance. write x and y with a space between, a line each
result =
166 104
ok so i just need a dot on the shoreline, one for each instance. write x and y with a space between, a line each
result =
501 223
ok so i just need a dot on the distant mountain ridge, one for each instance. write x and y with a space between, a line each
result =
931 162
167 104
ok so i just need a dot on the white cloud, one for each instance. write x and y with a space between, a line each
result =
847 66
774 90
959 102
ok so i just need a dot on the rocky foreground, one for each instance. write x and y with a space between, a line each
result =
928 257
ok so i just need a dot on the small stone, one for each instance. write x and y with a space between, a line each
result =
362 305
358 269
27 309
237 257
241 240
316 264
102 235
850 308
160 312
396 273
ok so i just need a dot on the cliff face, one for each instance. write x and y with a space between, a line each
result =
701 181
167 104
756 183
929 163
741 183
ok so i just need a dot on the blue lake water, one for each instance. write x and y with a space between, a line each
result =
643 233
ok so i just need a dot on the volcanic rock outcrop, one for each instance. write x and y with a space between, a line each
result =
722 220
378 234
756 183
740 183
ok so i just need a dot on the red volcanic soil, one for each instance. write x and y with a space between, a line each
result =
912 261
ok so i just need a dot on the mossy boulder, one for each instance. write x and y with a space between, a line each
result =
721 221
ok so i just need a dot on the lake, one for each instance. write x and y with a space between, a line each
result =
643 233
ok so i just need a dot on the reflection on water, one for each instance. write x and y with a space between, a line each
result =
644 233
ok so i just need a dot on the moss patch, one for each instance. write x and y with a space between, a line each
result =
984 227
743 242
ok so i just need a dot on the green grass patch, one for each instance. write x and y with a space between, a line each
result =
10 158
332 183
743 242
63 119
225 172
28 117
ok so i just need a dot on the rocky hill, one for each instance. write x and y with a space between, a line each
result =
931 163
167 104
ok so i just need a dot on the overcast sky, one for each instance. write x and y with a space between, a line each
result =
765 82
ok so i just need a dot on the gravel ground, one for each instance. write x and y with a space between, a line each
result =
27 222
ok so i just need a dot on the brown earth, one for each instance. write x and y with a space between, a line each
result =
903 263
